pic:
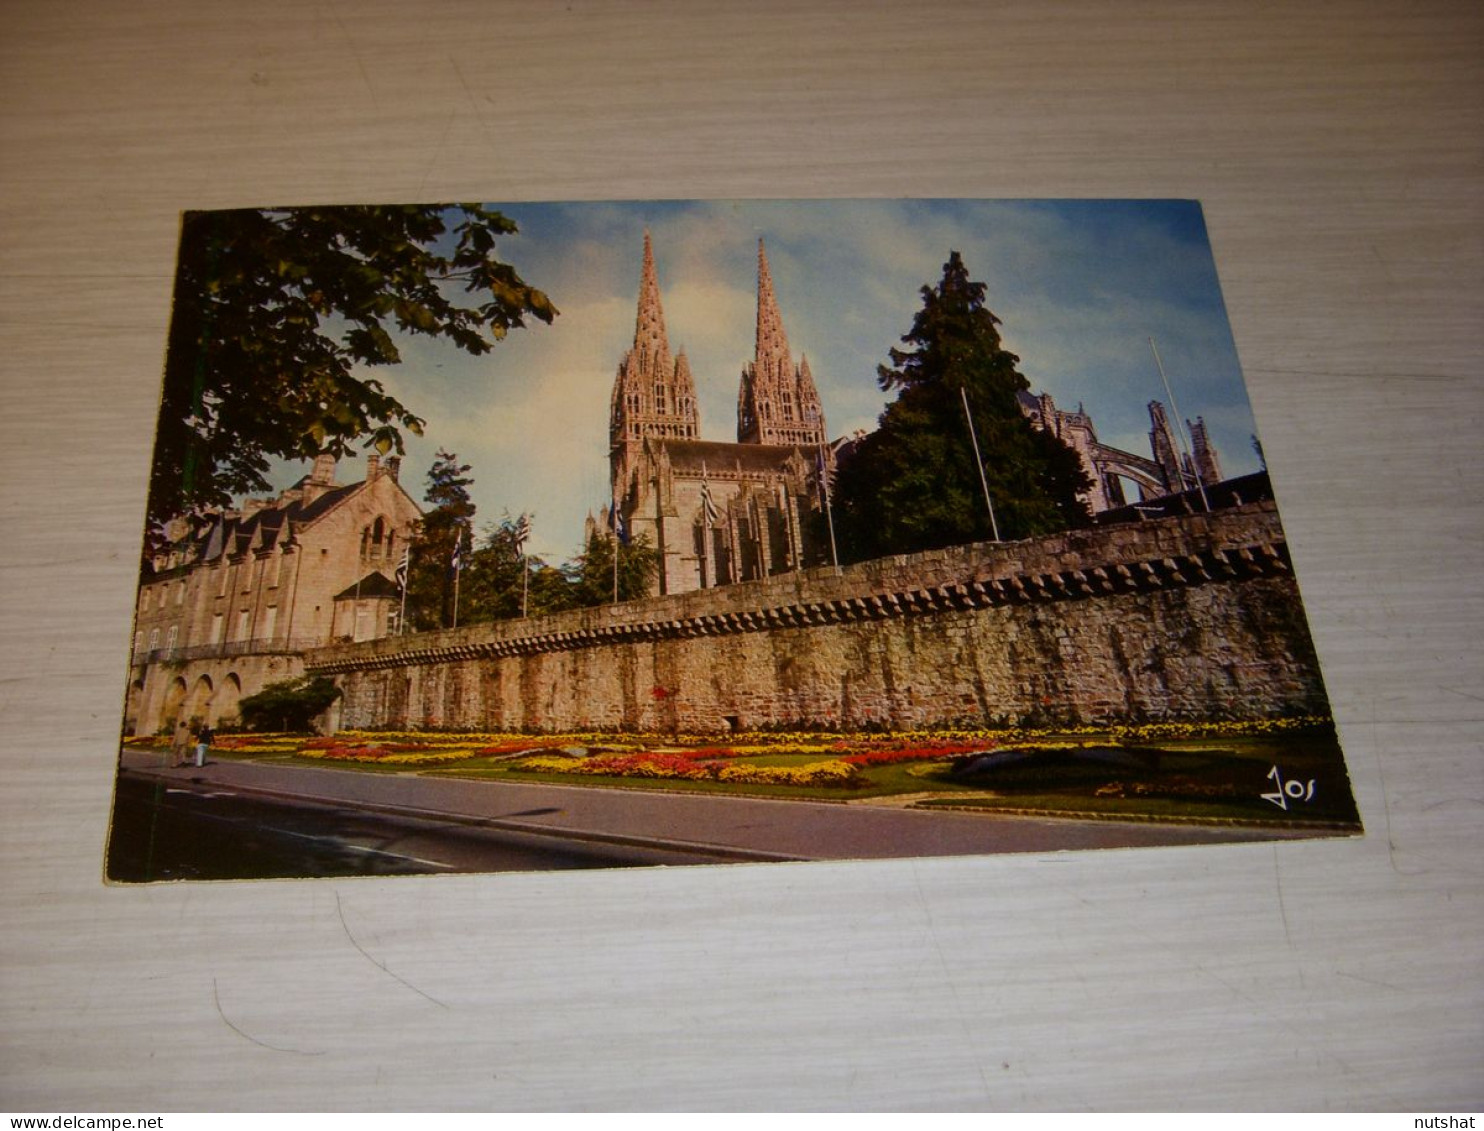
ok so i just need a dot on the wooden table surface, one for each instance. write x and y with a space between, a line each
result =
1337 150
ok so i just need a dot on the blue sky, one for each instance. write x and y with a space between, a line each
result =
1079 286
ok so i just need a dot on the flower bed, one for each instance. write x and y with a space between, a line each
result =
781 758
682 767
381 755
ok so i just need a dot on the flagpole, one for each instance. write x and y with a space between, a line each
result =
979 462
458 569
519 533
707 509
829 512
613 521
1180 420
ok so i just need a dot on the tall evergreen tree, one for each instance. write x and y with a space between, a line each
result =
593 573
430 586
912 484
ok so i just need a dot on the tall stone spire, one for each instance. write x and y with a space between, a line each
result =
777 402
649 328
772 343
654 394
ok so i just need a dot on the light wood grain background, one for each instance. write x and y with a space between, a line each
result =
1337 149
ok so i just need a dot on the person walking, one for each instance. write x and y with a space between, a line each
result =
180 741
203 740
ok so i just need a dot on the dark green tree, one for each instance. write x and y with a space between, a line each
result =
501 575
913 484
447 522
274 311
592 573
289 705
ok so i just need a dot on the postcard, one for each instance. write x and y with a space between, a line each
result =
505 537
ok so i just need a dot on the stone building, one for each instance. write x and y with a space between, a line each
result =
239 596
717 512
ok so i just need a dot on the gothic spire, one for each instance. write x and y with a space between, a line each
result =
653 394
649 328
772 343
777 402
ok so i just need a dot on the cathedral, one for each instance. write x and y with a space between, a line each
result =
718 513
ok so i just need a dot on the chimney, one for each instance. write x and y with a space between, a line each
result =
393 466
324 470
373 466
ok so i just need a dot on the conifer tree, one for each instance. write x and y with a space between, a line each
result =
912 484
430 586
593 573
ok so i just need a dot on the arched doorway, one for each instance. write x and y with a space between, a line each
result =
174 701
200 702
227 697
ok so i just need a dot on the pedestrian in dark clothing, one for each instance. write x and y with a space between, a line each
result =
203 740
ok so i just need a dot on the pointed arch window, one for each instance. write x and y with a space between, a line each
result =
379 540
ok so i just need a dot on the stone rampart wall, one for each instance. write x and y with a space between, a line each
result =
1189 617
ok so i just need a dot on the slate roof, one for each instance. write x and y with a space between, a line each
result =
371 586
690 456
267 527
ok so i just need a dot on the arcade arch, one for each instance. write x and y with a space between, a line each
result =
175 698
224 709
199 706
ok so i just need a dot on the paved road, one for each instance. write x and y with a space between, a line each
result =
197 831
620 826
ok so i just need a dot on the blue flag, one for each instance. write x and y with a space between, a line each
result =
456 563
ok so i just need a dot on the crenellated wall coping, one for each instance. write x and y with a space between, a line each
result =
1161 553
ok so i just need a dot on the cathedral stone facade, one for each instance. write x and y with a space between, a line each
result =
716 512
